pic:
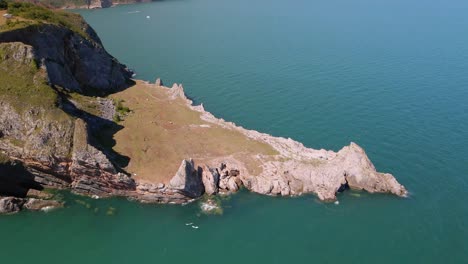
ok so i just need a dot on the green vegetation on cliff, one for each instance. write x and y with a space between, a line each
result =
23 83
61 3
3 5
120 110
26 14
4 158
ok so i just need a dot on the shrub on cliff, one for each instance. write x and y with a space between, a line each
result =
3 5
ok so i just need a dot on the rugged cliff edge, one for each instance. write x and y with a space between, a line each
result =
218 156
49 69
62 125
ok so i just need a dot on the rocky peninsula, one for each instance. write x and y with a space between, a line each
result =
72 118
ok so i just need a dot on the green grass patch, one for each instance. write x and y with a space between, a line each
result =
88 104
23 84
120 110
4 158
38 14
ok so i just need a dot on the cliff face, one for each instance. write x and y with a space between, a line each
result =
74 62
44 131
219 156
54 134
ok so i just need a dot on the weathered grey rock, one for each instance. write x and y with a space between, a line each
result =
210 179
232 184
350 166
41 204
188 180
39 194
43 138
72 61
10 205
143 187
159 82
360 173
224 183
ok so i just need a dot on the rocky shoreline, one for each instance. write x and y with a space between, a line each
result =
61 136
297 170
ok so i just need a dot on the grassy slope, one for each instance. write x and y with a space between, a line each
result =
159 133
27 14
22 82
25 84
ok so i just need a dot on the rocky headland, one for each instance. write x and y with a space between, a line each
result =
72 118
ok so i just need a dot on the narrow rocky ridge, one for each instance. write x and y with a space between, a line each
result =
298 170
56 145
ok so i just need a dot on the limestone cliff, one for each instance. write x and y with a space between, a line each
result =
294 170
46 129
57 131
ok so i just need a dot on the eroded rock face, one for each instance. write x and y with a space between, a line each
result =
188 180
56 149
10 205
210 179
159 82
49 140
360 173
91 172
72 61
350 166
296 169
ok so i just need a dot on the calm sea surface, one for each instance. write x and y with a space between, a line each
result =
391 76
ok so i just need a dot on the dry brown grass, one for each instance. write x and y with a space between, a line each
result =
2 19
159 133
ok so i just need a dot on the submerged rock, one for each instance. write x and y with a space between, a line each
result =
211 206
42 205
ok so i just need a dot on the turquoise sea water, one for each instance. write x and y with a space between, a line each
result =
389 75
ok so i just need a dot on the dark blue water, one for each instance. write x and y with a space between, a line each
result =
389 75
